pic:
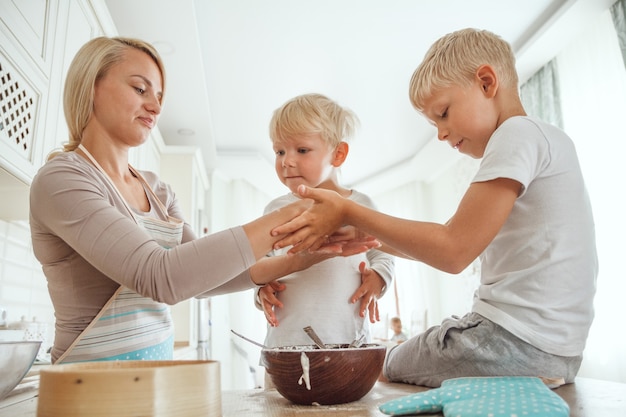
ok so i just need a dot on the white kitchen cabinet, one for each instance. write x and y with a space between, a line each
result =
26 42
38 40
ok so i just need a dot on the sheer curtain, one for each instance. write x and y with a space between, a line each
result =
618 12
541 97
593 92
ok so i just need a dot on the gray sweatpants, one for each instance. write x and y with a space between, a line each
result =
471 346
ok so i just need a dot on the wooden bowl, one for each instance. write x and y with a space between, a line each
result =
131 388
335 375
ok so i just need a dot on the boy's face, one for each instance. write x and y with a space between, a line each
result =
305 159
396 327
465 117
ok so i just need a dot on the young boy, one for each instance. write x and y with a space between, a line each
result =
526 214
308 135
396 327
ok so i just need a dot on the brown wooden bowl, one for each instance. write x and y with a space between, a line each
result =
336 375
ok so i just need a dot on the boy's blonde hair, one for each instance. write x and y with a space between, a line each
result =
454 59
92 61
313 114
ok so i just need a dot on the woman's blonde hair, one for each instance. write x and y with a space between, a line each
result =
454 59
310 114
92 61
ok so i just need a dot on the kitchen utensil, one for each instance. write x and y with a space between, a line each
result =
249 340
311 333
357 342
131 388
334 375
16 358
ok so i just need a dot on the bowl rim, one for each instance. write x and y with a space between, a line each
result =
314 348
122 367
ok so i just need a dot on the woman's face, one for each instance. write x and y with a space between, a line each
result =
127 100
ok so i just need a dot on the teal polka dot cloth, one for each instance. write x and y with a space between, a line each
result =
484 397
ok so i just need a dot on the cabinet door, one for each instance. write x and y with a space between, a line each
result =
26 44
21 110
28 25
38 40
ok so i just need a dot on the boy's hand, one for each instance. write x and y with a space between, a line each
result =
371 288
312 228
269 301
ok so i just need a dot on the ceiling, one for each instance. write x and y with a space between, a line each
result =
230 63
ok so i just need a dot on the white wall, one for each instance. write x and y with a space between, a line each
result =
232 203
23 287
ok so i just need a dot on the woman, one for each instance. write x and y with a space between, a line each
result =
110 239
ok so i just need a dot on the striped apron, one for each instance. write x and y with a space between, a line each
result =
130 326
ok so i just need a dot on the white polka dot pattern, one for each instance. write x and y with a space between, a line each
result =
483 396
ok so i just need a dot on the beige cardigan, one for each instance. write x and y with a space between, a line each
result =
88 245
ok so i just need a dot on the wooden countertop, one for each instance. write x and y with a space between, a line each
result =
586 398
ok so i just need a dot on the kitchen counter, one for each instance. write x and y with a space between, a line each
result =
586 398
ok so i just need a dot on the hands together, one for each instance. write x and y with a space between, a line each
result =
320 227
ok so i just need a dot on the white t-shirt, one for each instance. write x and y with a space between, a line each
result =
539 273
319 295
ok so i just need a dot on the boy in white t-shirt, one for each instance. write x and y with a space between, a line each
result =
526 214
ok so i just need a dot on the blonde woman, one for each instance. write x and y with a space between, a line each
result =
111 239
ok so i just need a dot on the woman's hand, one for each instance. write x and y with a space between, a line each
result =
349 235
370 290
347 241
312 228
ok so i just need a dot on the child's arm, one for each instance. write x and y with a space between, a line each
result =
450 247
272 268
